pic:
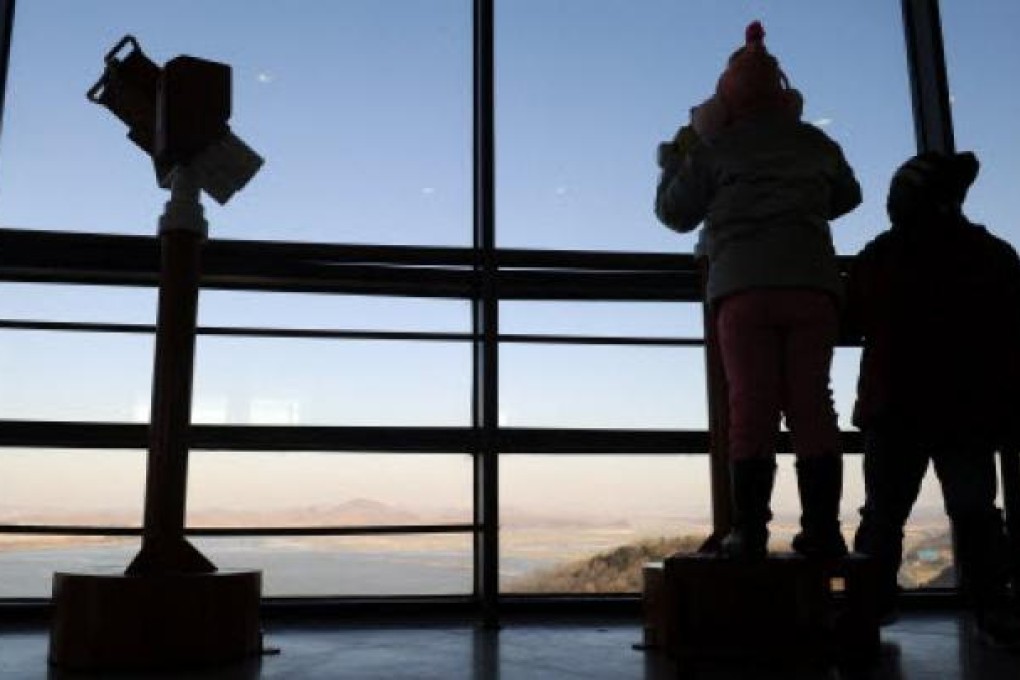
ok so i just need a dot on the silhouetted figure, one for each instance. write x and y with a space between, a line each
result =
766 185
936 300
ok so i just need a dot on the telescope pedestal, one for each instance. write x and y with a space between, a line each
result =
172 608
113 621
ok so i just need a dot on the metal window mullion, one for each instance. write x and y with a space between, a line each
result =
6 27
485 307
929 83
929 92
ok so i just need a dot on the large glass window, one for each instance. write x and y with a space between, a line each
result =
294 489
362 110
358 567
281 488
221 308
576 132
46 378
285 381
981 55
586 524
309 567
66 487
602 387
70 486
587 88
112 385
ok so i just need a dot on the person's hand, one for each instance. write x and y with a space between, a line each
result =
709 118
666 155
673 153
685 140
701 250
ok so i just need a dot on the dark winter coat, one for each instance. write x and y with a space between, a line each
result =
938 309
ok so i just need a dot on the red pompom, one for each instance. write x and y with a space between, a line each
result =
755 33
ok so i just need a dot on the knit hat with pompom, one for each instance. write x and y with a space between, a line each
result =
753 81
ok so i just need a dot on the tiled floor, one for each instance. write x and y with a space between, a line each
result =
921 646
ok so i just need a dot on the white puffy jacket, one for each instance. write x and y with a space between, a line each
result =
766 189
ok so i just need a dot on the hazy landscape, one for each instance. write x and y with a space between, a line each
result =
539 553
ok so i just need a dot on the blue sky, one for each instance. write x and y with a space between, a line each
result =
362 109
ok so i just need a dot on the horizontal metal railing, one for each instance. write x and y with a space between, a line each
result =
63 257
374 440
111 260
90 259
339 334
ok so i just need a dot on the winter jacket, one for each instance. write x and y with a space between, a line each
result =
938 309
766 189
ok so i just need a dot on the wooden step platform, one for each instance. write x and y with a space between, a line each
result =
702 606
107 621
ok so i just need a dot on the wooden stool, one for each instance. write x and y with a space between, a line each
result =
785 607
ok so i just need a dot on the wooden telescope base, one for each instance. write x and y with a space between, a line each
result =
784 608
111 621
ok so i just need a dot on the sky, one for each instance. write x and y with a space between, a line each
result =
362 110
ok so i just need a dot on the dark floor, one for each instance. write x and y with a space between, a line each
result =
922 645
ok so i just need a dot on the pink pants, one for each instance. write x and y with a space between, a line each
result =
777 347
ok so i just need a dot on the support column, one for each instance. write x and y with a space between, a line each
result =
929 84
485 319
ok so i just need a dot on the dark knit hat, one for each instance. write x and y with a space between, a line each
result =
931 184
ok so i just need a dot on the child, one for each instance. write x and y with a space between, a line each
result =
745 86
936 300
766 185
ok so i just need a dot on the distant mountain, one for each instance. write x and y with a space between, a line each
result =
357 511
361 511
518 518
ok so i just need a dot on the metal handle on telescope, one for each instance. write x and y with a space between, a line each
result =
116 48
95 93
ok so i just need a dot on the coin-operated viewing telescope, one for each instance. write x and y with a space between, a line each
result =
171 606
179 116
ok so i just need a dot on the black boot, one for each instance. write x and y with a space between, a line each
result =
983 570
820 483
751 490
881 539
